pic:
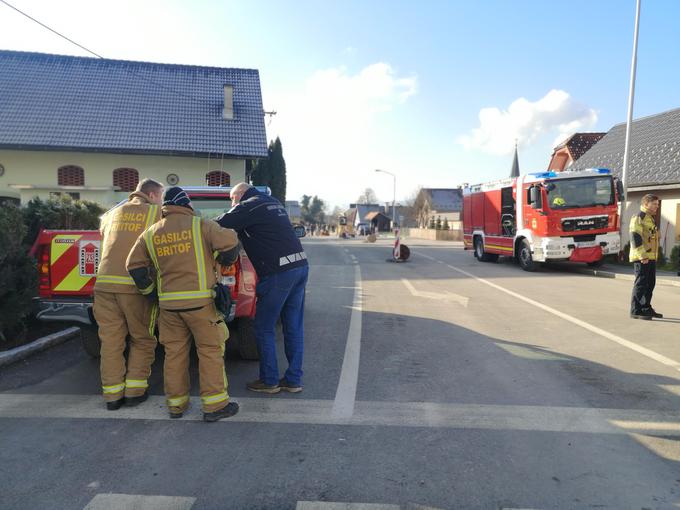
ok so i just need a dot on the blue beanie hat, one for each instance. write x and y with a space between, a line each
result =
176 196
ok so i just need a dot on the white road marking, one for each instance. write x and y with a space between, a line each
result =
134 501
365 413
345 395
585 325
329 505
441 296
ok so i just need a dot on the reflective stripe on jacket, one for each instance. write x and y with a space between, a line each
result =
644 237
180 249
120 228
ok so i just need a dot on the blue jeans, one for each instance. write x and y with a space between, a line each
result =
281 295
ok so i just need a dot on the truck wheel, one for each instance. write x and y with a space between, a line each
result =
245 339
526 261
89 336
481 254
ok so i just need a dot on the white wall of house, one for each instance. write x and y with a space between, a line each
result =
669 234
34 173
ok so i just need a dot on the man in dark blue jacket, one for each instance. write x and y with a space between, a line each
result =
281 265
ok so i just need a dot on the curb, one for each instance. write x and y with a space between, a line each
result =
619 276
41 344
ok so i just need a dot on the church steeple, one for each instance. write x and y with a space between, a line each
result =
514 172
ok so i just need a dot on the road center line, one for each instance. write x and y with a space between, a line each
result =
345 395
585 325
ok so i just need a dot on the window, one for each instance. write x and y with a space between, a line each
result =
126 178
70 175
217 178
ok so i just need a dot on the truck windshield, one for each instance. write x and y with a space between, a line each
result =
210 208
580 192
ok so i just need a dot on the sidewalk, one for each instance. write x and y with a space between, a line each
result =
619 272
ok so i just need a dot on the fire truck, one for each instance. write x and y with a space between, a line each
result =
545 216
68 262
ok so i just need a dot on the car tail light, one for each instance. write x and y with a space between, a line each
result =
229 277
44 271
228 270
237 278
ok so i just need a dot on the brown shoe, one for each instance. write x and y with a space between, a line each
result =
290 388
261 387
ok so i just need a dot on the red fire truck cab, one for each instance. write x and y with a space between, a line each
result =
546 216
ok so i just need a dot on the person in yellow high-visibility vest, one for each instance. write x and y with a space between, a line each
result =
119 308
179 248
644 247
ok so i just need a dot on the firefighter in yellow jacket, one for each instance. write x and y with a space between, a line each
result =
644 246
119 308
179 249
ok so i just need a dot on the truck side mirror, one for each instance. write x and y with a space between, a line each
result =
534 197
619 190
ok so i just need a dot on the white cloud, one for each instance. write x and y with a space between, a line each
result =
329 127
555 113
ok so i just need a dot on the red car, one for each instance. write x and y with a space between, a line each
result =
67 265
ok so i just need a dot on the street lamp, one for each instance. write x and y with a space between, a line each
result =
394 196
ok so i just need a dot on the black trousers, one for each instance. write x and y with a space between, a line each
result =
645 280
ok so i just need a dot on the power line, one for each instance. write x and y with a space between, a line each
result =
104 58
160 85
50 29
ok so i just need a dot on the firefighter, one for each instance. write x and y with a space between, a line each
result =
119 308
644 245
558 202
180 250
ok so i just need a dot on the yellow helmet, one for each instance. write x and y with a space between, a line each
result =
559 201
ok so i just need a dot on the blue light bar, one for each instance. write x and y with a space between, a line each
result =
604 171
544 175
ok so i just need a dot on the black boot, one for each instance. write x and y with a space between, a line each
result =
227 411
114 405
135 401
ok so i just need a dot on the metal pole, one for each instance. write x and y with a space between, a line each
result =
394 198
629 121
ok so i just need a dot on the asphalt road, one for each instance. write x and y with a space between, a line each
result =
437 383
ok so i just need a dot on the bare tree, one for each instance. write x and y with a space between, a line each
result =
413 207
337 211
368 197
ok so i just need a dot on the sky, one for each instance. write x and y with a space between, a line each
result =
435 92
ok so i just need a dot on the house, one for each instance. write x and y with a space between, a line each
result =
378 221
294 211
357 215
569 151
92 128
446 203
654 167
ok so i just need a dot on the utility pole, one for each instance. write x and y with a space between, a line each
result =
394 196
629 121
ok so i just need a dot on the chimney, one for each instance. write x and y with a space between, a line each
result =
228 112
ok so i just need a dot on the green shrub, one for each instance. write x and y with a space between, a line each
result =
61 213
674 259
432 223
438 223
445 225
18 274
661 259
